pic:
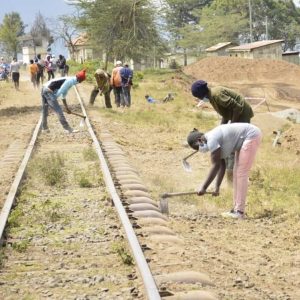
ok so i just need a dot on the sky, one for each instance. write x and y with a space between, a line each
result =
28 9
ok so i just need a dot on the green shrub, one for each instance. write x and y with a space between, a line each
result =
89 154
21 246
123 253
50 169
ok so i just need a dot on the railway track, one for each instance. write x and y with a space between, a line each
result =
66 242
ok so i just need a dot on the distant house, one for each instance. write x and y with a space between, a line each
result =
292 57
83 50
220 49
33 46
271 49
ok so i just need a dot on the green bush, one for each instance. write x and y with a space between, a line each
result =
50 169
89 154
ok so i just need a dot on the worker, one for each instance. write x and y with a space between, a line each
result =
241 138
54 89
103 87
116 83
230 105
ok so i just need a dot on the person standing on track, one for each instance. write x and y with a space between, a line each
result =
49 66
41 66
54 89
33 70
15 72
241 138
231 106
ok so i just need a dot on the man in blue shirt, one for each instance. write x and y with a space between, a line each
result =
54 89
126 81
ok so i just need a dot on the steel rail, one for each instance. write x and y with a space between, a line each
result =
16 183
149 283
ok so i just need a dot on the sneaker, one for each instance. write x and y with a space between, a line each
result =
233 214
71 130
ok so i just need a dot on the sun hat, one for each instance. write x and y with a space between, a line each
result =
199 89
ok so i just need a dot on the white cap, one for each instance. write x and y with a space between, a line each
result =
118 63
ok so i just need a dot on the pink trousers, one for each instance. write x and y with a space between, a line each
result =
242 165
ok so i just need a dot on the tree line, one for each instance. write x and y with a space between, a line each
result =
143 28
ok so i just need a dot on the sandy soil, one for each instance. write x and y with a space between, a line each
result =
255 259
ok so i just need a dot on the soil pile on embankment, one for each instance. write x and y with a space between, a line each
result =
233 69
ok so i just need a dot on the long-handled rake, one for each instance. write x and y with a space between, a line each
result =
185 164
163 201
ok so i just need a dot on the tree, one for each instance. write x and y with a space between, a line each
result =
10 30
228 20
66 31
123 29
181 20
223 21
39 30
280 19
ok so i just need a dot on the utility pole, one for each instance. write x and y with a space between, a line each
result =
250 21
267 33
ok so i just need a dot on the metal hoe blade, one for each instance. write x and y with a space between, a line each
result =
82 123
186 166
164 203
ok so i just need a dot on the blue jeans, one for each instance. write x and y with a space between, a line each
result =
49 99
126 96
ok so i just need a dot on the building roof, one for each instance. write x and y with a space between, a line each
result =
251 46
217 46
81 40
291 53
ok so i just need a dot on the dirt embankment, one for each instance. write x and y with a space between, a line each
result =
276 80
228 69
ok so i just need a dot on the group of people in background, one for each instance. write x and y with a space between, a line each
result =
120 81
39 67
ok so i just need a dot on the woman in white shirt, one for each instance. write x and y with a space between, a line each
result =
241 138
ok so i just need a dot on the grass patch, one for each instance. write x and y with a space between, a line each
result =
83 180
120 249
50 169
21 246
89 154
273 191
14 218
90 177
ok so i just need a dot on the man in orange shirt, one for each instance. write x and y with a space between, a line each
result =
33 70
116 83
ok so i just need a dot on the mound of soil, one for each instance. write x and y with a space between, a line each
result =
229 69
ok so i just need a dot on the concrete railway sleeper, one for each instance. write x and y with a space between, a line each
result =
158 252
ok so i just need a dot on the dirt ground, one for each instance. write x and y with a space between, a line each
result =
258 258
